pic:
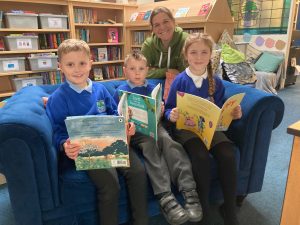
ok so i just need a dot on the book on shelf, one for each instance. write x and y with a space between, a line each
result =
203 117
140 16
147 15
102 139
143 111
102 54
133 16
112 35
98 74
204 10
182 12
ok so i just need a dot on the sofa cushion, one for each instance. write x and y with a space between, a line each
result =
231 55
268 62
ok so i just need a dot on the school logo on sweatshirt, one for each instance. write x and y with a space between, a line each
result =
101 106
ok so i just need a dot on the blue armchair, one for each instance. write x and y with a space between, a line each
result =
41 193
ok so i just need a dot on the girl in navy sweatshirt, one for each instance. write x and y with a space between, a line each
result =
199 80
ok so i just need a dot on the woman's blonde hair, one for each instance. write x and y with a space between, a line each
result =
161 9
208 41
73 45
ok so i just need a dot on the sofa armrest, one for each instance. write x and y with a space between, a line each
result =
27 157
262 112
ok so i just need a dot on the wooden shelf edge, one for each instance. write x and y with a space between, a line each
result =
103 44
33 30
27 51
108 62
6 94
23 72
98 25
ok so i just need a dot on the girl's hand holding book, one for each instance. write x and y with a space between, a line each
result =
237 112
174 115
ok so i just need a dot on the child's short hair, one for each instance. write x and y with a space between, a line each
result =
196 37
72 45
136 55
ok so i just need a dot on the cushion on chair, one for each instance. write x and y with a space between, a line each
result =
268 62
239 73
231 55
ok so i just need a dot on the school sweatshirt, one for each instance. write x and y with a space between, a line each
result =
157 56
65 101
184 83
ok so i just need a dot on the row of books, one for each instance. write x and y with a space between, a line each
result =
85 15
52 40
180 12
139 37
106 72
106 53
112 34
52 77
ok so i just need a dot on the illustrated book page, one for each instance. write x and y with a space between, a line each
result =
203 117
102 139
143 111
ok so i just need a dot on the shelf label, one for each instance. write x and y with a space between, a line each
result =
10 65
54 22
31 82
24 43
44 63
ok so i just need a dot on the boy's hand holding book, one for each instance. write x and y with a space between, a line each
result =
71 149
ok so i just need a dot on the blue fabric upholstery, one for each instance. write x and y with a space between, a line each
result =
42 193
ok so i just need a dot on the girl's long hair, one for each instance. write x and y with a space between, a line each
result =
208 41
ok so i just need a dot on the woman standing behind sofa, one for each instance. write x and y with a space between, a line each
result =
163 48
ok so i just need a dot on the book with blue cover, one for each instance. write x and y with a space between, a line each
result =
182 12
102 139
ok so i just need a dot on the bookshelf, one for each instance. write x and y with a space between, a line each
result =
58 7
212 23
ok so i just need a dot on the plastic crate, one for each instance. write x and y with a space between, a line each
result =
51 21
19 83
12 64
13 43
43 63
21 20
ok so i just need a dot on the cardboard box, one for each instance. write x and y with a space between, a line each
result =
5 84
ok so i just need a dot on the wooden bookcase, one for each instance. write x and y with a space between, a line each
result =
101 12
214 23
38 6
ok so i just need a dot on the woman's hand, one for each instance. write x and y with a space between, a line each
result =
174 115
237 112
71 149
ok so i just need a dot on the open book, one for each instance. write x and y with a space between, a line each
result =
204 117
103 141
143 111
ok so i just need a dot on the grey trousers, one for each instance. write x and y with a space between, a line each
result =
107 184
177 160
155 164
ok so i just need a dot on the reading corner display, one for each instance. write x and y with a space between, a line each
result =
102 139
144 110
204 117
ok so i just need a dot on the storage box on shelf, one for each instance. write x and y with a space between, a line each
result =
44 36
19 83
43 63
12 64
211 21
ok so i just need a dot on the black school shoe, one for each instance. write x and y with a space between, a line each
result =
172 210
192 205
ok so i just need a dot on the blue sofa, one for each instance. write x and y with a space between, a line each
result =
42 194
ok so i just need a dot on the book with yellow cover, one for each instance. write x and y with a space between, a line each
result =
204 117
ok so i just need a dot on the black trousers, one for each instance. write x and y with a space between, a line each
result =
107 184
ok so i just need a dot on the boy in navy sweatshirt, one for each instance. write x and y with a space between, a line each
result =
80 96
165 160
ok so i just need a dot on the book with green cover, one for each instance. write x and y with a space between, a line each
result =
102 139
143 111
